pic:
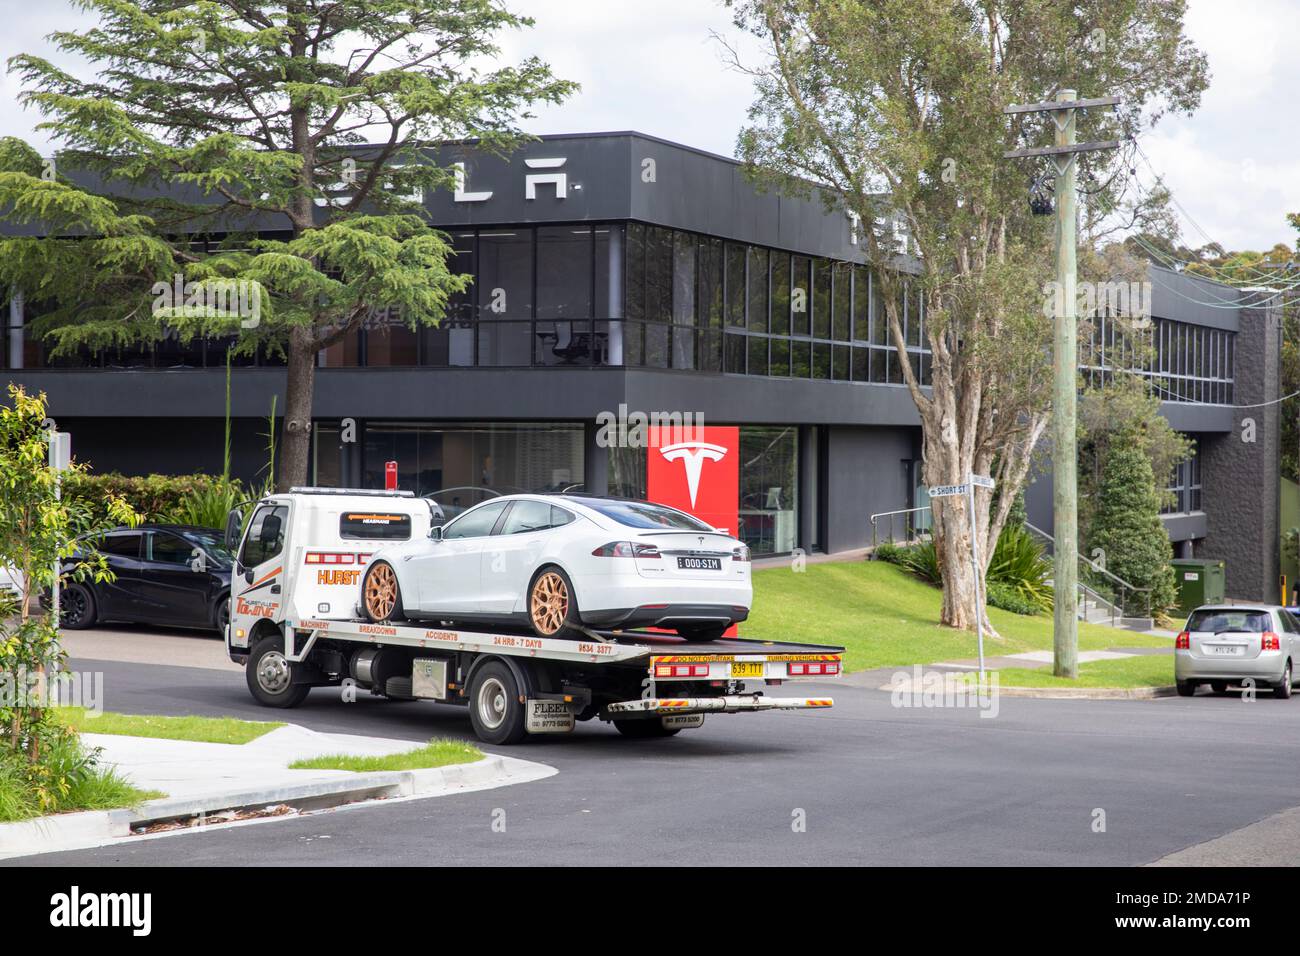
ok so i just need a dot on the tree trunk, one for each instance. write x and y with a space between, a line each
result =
295 451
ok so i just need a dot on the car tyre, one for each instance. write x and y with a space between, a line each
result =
1186 688
270 675
1282 689
77 609
381 597
645 728
495 710
221 617
552 604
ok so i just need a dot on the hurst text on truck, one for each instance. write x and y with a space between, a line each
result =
295 625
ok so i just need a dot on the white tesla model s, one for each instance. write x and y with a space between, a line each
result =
560 562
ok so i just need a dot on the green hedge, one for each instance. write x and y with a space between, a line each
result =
156 497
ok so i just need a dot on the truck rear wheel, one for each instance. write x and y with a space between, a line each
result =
494 706
270 675
645 728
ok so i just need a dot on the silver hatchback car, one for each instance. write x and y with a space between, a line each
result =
1224 645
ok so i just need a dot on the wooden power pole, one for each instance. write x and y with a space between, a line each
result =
1065 363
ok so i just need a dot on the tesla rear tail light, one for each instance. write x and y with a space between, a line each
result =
626 549
1270 642
741 553
1183 641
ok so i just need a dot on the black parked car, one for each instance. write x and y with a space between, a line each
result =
164 574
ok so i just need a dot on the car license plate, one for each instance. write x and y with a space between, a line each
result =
746 668
700 564
1231 650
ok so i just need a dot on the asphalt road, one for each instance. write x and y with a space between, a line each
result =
874 784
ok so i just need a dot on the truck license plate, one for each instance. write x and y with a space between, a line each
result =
747 669
700 564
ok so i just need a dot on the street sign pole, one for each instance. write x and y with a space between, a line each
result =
973 481
60 458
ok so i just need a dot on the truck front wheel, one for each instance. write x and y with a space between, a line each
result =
270 675
494 706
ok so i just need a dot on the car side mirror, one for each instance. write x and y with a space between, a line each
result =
435 533
234 524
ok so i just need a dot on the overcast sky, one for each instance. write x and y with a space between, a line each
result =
652 67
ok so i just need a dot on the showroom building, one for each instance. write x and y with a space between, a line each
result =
617 274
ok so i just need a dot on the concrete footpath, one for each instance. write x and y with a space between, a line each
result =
208 783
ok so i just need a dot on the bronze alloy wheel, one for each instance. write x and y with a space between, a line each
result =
381 592
549 604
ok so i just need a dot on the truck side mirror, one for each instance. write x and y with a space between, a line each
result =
234 524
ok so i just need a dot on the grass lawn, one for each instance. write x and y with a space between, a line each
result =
436 753
213 730
884 617
1145 670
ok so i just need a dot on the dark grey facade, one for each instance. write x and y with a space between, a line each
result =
617 269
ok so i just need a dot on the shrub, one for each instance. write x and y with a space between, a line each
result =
1018 564
888 551
1008 598
1128 530
157 497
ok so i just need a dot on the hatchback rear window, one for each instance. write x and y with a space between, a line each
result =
644 514
1230 621
374 526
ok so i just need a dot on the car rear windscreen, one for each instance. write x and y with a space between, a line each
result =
643 514
374 526
1229 621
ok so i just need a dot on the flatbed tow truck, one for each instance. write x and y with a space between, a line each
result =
294 626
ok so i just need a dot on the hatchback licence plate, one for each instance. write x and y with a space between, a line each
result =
1231 650
700 564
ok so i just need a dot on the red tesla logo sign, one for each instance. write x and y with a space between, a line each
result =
700 476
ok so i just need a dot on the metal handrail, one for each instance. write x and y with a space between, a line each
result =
1123 585
891 515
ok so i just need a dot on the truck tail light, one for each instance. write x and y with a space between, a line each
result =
1183 642
329 557
626 549
1270 642
681 670
800 669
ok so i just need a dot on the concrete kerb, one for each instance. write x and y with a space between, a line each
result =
69 831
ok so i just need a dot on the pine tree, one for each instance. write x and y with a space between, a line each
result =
1127 526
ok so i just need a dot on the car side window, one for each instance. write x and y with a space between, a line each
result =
265 537
1289 623
560 517
126 545
527 516
166 548
475 523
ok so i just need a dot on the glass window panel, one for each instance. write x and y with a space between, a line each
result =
388 340
505 279
567 343
821 299
879 363
683 346
780 293
735 352
800 359
801 296
634 272
861 364
658 275
757 355
879 318
895 373
861 304
842 301
840 362
710 350
711 283
684 279
821 360
769 488
779 363
564 267
913 336
505 343
735 282
757 285
656 345
633 343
